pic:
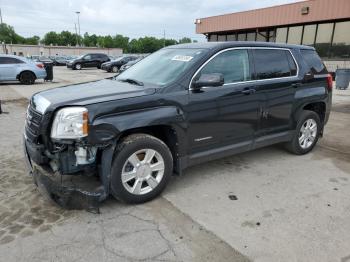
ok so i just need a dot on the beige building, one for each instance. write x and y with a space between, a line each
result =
323 24
29 50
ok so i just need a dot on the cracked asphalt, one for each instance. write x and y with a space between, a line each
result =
266 205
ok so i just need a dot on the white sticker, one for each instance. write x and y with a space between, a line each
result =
182 58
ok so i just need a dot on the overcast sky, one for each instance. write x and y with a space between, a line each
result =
133 18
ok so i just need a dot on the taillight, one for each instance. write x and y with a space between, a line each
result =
329 82
40 65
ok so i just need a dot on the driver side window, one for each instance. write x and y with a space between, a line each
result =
233 64
87 57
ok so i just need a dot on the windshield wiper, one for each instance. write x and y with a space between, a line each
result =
132 81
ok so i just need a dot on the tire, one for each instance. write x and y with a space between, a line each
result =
77 66
114 69
27 78
99 66
301 146
132 174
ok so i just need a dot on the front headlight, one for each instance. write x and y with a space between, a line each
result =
70 123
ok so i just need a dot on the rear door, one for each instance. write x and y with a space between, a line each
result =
276 74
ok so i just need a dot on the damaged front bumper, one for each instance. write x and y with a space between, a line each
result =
74 191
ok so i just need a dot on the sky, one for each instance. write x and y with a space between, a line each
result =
132 18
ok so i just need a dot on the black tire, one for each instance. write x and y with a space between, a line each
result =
114 69
27 78
125 149
293 146
77 66
99 66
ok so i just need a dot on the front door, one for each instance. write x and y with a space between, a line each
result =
229 114
88 61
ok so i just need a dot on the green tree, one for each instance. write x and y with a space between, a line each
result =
120 41
51 38
67 38
34 40
185 40
170 42
8 35
150 44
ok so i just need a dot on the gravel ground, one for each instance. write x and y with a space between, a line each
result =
266 205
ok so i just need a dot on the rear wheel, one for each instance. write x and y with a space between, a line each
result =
307 133
27 78
141 168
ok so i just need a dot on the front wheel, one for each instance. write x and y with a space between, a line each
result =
141 169
115 69
307 133
77 66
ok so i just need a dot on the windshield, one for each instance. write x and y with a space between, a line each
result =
162 67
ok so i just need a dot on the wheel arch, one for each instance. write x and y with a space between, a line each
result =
165 133
24 71
318 107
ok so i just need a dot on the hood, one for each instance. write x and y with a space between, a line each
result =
88 93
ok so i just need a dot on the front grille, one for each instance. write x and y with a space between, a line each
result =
33 122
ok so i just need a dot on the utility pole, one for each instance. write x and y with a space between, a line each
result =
77 12
76 33
0 16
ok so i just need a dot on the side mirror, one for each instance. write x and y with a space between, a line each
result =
209 80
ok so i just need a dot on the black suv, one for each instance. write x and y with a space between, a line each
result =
181 106
115 65
88 60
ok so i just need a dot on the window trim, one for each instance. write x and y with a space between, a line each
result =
248 81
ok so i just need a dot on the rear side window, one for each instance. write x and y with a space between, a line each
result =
102 56
10 60
313 61
273 63
233 64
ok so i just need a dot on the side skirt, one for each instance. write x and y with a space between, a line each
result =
233 149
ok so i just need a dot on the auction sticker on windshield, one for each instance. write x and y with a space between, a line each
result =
182 58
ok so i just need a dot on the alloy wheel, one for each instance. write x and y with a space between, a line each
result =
143 171
114 69
307 133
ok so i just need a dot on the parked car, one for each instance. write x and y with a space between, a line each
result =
129 64
88 60
181 106
114 66
19 68
59 60
42 59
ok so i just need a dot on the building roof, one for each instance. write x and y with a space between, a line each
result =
319 10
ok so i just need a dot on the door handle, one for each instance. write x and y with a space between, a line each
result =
295 85
248 91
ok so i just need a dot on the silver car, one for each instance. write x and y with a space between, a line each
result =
20 68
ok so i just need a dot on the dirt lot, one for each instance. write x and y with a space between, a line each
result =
266 205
